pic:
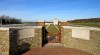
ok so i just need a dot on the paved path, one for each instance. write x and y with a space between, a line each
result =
55 50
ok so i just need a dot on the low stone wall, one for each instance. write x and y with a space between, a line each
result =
91 46
4 41
21 41
35 41
17 40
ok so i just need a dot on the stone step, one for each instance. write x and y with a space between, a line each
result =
53 45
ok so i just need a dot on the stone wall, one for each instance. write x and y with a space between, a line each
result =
12 41
4 41
26 33
35 41
90 46
20 44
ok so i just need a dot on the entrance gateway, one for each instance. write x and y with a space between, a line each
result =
53 30
54 33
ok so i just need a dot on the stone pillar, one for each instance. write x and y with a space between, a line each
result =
4 41
63 23
41 23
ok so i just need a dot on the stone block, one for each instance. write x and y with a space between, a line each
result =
4 42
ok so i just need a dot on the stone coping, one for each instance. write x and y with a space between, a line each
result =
25 27
3 28
86 28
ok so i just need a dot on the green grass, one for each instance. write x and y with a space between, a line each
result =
52 29
92 24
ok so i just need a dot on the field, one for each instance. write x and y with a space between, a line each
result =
91 24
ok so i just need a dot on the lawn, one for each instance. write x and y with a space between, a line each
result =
52 29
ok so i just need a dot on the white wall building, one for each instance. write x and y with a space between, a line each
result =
56 22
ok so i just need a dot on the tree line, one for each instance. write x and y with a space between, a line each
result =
85 20
9 20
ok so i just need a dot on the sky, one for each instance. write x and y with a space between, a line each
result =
48 10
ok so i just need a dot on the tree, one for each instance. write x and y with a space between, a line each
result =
9 20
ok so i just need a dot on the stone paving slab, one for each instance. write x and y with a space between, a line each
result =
52 44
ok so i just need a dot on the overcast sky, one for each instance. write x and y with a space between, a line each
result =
33 10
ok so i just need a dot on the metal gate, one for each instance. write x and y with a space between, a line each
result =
54 38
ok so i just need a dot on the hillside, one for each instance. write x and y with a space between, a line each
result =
86 20
94 22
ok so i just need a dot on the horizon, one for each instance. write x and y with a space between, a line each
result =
48 10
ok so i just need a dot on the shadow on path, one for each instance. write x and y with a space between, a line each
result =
15 47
